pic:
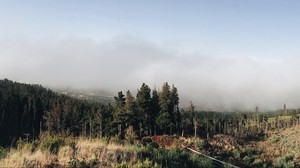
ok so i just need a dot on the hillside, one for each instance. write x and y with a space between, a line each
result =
82 152
27 110
279 148
37 123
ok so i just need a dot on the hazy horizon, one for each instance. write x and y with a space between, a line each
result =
232 55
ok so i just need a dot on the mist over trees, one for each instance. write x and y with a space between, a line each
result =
26 111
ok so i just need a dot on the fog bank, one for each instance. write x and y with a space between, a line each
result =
212 82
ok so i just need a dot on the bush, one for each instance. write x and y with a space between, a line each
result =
284 162
75 163
52 144
236 154
34 146
258 163
199 143
116 140
20 144
147 142
140 164
130 135
23 145
174 158
2 152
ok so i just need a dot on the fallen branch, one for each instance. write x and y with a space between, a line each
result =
214 159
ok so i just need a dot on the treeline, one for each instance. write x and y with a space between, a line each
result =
240 124
28 110
148 113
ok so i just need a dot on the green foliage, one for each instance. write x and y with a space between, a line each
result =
116 139
3 152
75 163
32 146
250 157
169 116
250 152
284 162
20 144
36 109
52 144
148 143
163 121
130 135
139 164
236 154
258 163
175 158
199 143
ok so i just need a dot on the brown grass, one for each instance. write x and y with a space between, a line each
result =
282 142
94 150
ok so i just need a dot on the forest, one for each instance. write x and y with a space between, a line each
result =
28 111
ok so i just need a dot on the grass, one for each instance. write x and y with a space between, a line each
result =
281 145
66 152
54 151
279 149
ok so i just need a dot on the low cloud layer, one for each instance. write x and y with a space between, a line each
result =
212 82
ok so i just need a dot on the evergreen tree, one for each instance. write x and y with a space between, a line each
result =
164 119
154 110
130 109
174 109
143 99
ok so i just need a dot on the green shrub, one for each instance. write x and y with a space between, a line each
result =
247 160
251 151
199 143
146 164
130 135
236 154
52 144
146 141
123 165
140 164
284 162
116 140
75 163
20 144
175 158
258 163
2 152
34 146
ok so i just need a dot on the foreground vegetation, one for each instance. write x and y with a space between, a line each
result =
55 151
278 149
123 133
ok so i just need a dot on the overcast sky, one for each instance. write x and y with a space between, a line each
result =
220 54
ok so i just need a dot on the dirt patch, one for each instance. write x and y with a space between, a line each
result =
164 141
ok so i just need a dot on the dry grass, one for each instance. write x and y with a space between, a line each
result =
281 143
94 151
24 158
106 154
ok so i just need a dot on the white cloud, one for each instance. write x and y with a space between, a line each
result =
212 82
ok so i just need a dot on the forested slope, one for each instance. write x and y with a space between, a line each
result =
26 110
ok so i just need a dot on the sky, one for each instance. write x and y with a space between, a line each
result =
221 54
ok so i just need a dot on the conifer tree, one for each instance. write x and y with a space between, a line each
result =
143 99
164 119
154 110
